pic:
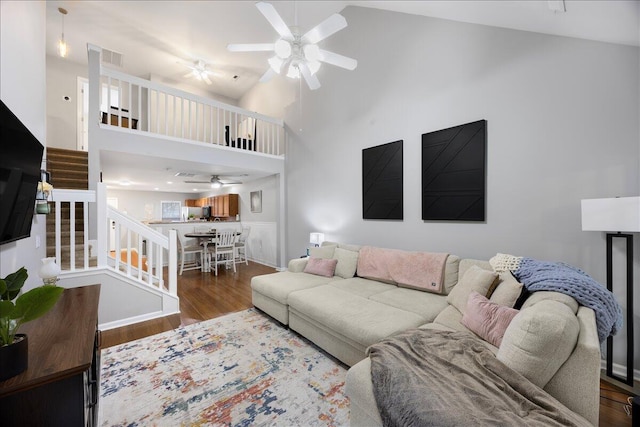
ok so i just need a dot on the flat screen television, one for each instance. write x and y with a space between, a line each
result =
20 164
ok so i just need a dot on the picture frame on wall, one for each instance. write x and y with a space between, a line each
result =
454 173
256 201
382 185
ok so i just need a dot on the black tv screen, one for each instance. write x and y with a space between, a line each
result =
20 161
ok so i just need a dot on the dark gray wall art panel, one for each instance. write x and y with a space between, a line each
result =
454 173
382 181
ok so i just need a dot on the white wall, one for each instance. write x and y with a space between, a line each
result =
22 89
62 81
563 125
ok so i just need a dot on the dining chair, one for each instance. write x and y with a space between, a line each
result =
240 246
186 250
224 251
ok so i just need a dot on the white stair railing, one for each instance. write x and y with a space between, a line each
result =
128 238
132 104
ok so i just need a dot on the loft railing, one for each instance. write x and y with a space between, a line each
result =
119 238
144 106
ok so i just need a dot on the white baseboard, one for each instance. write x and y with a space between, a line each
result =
620 370
132 320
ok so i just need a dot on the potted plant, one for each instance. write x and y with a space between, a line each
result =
15 310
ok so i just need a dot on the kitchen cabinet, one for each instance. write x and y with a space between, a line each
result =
60 386
190 203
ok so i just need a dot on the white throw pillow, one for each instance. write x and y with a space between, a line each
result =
347 263
508 290
474 279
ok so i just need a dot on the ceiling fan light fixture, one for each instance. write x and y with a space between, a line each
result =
294 72
314 66
276 63
216 184
283 49
311 52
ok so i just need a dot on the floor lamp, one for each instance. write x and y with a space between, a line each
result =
618 217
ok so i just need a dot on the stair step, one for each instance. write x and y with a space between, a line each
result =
53 152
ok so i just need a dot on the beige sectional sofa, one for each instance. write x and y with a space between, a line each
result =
552 341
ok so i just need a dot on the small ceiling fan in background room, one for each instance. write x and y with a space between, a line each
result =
216 181
298 54
199 70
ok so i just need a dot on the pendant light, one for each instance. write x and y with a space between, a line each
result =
62 44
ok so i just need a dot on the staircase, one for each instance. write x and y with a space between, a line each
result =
69 170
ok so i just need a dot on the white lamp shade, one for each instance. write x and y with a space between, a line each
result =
316 238
613 214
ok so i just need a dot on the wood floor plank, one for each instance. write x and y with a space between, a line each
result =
204 296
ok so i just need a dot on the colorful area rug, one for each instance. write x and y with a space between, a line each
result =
237 370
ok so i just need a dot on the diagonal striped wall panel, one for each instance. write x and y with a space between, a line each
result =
454 173
382 181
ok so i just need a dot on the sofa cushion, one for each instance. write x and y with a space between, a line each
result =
416 270
359 319
425 304
321 266
451 318
347 262
487 319
539 340
474 279
508 290
362 287
278 286
325 251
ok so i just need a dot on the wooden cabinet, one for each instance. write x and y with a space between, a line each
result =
61 385
190 203
226 205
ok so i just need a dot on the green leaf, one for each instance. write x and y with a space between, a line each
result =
3 288
14 282
38 301
6 308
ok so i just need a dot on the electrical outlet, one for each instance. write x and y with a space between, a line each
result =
38 242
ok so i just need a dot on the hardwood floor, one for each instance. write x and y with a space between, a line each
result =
204 296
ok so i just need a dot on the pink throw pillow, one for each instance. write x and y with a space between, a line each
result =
487 319
321 267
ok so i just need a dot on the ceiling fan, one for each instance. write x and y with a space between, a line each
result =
199 70
298 54
216 182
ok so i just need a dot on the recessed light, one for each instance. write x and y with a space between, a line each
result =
125 183
156 189
195 189
169 182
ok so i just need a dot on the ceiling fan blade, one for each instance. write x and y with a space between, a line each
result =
268 75
337 60
197 182
188 75
311 79
329 26
274 19
251 47
206 79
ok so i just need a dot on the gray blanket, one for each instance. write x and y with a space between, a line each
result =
437 378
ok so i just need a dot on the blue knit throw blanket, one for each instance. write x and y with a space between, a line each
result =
560 277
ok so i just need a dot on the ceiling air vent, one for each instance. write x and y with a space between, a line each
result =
110 57
185 174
